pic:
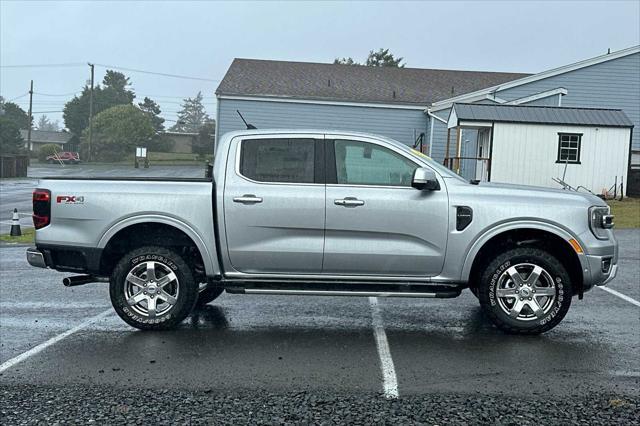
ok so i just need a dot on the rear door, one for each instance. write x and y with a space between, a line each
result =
274 204
377 224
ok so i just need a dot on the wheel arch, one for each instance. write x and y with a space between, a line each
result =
183 233
540 234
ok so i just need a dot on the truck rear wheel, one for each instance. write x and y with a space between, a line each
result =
152 288
525 291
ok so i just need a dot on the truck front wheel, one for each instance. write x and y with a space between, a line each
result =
152 288
525 290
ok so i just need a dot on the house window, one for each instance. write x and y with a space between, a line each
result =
569 147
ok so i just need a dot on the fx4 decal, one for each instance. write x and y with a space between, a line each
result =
70 199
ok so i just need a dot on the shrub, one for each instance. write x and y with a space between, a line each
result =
47 150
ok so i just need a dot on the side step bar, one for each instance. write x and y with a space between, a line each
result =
329 288
349 293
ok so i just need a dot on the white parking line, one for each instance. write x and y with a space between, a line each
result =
389 380
42 346
621 296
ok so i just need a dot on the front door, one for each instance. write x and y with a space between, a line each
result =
377 224
274 205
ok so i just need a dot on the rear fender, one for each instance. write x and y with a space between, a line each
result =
211 267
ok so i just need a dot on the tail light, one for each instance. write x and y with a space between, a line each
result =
41 208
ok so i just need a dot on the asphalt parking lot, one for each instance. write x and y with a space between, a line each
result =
277 359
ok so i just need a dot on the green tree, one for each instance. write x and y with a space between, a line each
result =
151 108
380 58
192 116
383 58
345 61
14 113
45 124
114 91
117 131
203 143
10 140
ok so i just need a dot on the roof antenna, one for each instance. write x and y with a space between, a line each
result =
249 126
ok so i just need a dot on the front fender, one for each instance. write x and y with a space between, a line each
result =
496 229
211 268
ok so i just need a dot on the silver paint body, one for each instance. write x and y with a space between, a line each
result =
305 231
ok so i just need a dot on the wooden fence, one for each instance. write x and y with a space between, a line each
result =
12 166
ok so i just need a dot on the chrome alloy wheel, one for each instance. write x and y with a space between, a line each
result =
151 288
526 291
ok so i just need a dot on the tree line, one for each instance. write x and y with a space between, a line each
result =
119 124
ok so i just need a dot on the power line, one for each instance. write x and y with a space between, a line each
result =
56 94
70 64
157 73
45 112
18 97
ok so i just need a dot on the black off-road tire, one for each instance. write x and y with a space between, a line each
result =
187 295
489 281
208 295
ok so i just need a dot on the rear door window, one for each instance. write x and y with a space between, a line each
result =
278 160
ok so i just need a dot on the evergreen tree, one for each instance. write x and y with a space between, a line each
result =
153 110
192 116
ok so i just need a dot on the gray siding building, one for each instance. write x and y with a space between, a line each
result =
403 103
387 101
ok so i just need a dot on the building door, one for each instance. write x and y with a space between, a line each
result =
483 152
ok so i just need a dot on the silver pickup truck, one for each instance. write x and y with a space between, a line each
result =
324 213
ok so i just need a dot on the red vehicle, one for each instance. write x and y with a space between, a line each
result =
65 157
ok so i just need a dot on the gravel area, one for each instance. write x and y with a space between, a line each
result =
28 404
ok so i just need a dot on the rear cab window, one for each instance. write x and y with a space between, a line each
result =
279 160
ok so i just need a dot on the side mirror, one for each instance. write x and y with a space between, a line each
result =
425 179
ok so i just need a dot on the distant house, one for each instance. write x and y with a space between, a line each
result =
44 137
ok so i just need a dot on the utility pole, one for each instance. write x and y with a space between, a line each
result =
30 116
90 114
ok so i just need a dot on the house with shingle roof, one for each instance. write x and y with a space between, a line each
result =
44 137
382 100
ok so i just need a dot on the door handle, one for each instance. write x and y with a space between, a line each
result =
349 202
248 199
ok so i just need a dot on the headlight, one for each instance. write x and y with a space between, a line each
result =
600 219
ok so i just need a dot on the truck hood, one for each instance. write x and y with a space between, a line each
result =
539 192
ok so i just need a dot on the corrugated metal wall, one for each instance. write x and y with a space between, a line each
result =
527 154
399 124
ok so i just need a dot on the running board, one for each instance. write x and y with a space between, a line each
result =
344 289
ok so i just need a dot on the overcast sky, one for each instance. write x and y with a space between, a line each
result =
200 39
